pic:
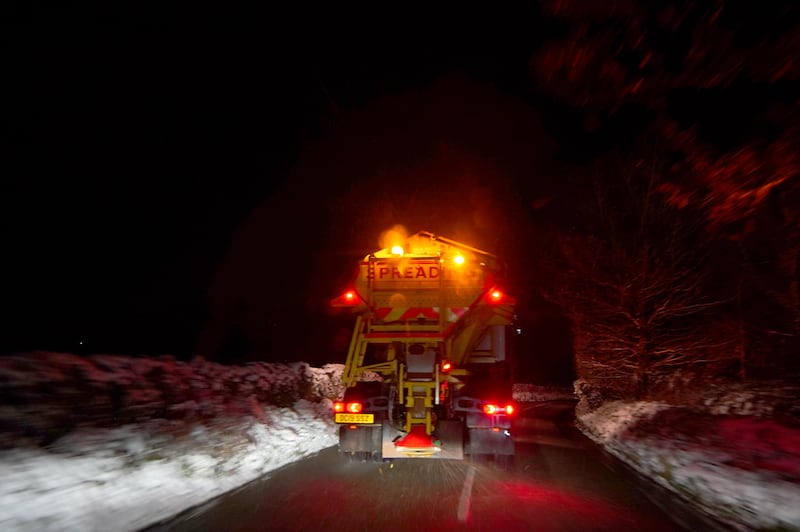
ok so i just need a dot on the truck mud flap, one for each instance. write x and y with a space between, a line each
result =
448 438
360 439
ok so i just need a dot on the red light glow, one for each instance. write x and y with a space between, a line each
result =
354 408
495 296
338 407
492 409
446 366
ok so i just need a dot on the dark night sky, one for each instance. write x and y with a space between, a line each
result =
136 144
171 178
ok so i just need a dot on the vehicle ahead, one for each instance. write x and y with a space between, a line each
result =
431 332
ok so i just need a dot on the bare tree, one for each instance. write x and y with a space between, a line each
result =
634 286
738 164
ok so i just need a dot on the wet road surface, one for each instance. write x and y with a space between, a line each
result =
556 482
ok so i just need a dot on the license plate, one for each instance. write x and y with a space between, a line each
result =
354 418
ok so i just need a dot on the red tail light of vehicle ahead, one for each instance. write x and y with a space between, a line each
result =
354 408
446 366
350 408
348 299
492 409
496 296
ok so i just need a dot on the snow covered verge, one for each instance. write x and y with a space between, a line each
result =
120 443
735 456
533 393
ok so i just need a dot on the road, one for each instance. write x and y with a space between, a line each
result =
557 482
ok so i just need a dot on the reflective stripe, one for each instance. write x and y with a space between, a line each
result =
389 314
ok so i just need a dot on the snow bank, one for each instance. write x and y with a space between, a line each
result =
47 395
738 469
531 393
120 443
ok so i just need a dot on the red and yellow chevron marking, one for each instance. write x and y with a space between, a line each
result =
390 314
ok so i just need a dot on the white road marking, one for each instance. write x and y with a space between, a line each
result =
466 494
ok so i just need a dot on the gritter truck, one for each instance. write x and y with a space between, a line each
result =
426 374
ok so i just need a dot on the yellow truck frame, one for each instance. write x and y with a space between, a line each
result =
432 310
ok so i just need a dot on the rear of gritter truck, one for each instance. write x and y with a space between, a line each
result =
427 372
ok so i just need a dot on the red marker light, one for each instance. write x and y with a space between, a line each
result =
349 298
492 409
354 408
338 406
446 366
